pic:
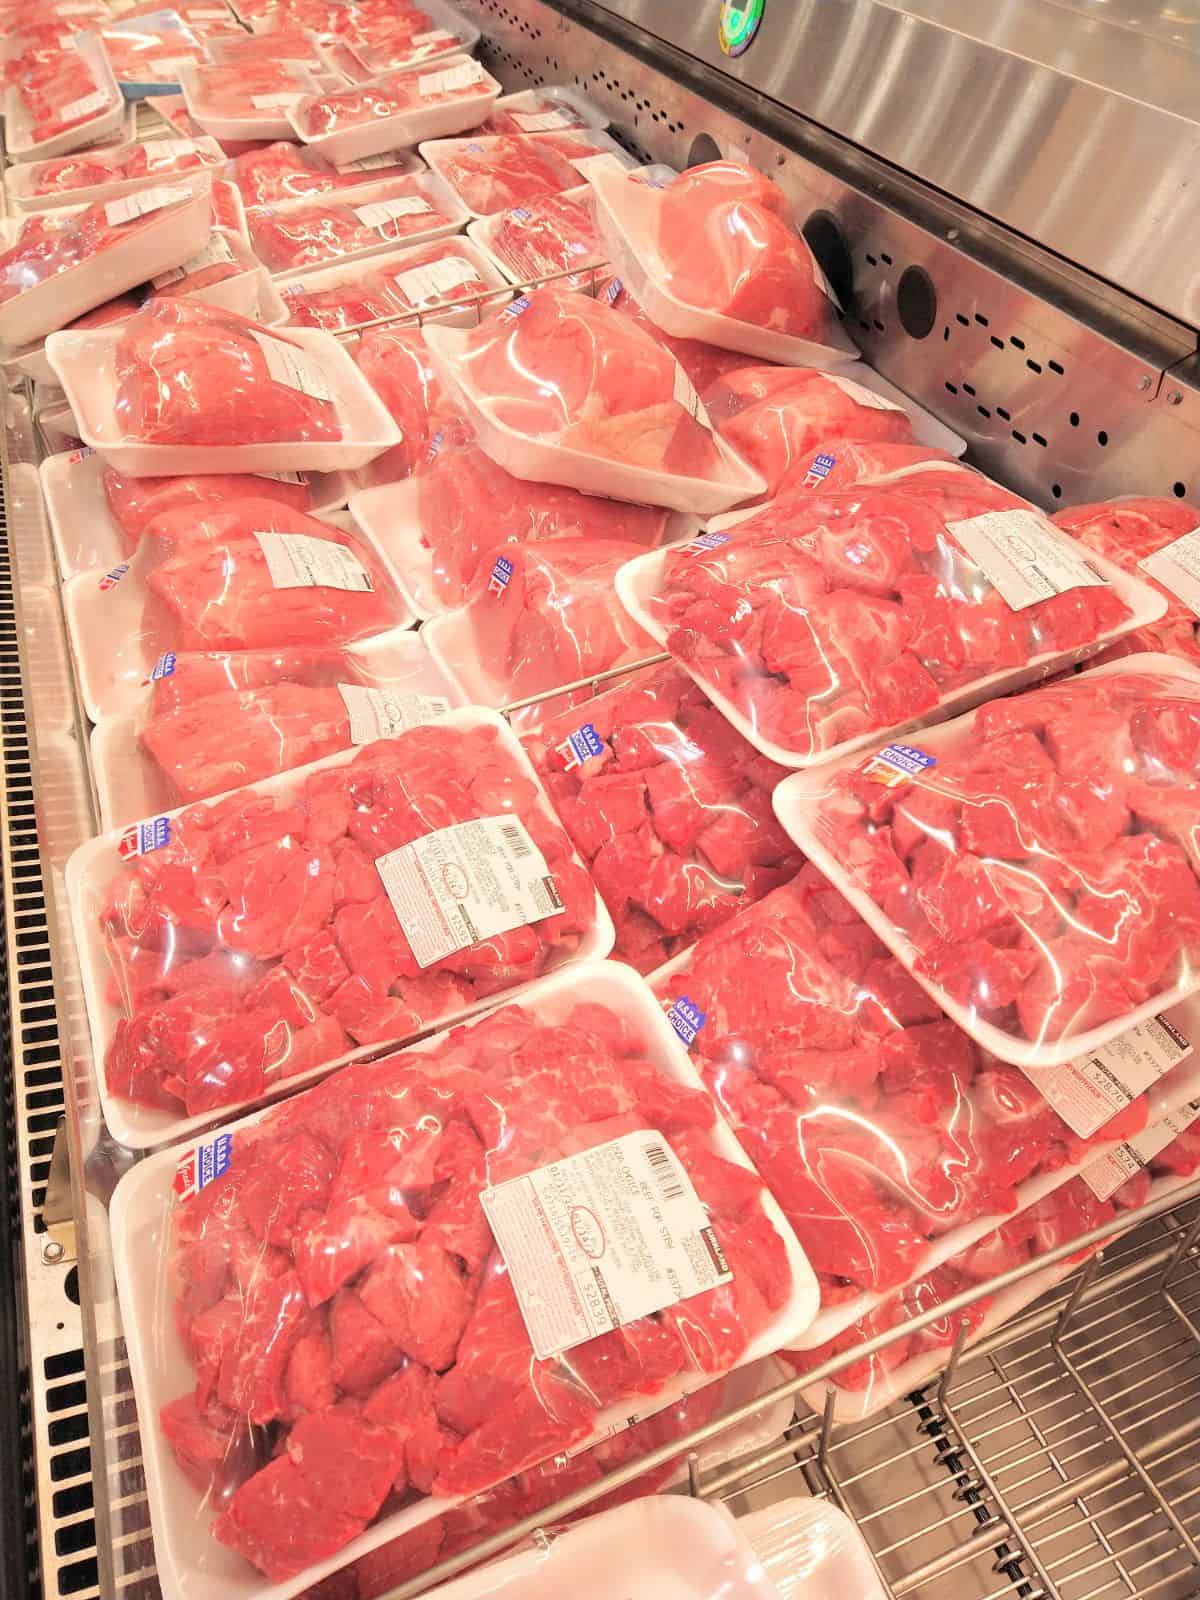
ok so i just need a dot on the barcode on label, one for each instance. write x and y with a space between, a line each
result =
516 839
665 1173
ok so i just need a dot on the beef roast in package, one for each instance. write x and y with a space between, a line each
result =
714 255
823 618
239 944
890 1139
326 228
1160 541
397 108
284 171
561 389
1033 863
668 805
371 1324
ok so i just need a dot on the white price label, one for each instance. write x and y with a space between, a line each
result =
380 212
217 251
544 121
686 396
602 1238
142 203
170 65
436 278
302 561
1024 557
1089 1091
449 80
294 367
380 713
862 395
1177 567
465 883
274 102
434 36
171 150
91 105
387 158
1105 1177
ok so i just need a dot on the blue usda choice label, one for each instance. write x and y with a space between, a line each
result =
896 764
580 746
163 667
501 573
142 837
203 1165
687 1019
820 469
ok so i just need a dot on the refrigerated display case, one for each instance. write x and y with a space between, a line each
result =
1003 197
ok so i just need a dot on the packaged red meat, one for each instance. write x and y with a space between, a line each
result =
209 21
538 617
453 274
309 233
823 619
461 509
104 174
493 173
714 254
172 108
284 171
1032 863
851 463
546 237
703 363
669 807
467 1395
396 108
69 101
187 387
147 52
550 108
440 32
246 943
890 1139
208 723
241 100
297 45
59 264
398 367
1153 538
561 390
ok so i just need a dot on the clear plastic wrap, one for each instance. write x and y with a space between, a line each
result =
1157 540
449 280
560 390
247 99
853 463
704 363
60 97
890 1139
187 387
172 108
713 254
147 52
550 108
537 617
243 944
823 619
551 234
397 108
1032 863
310 233
285 171
398 367
419 35
103 174
669 807
137 503
494 173
379 1334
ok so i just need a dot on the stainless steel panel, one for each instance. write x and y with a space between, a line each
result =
1075 124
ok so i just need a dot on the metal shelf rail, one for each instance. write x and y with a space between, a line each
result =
1055 1457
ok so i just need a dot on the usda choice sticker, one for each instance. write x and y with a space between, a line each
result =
142 837
580 746
203 1165
687 1019
896 764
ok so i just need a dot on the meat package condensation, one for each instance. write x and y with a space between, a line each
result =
319 230
240 944
713 254
1034 862
1157 539
286 171
560 390
396 108
357 1325
823 618
889 1138
668 805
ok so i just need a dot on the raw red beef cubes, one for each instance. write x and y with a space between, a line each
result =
356 1340
670 807
260 942
1041 870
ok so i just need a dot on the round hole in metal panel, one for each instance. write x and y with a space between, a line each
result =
1179 490
824 237
916 302
704 148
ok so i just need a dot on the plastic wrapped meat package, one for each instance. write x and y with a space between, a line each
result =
396 108
448 280
494 173
285 171
187 387
704 363
244 944
399 368
1156 539
669 807
298 234
64 101
209 722
824 619
409 41
244 574
449 522
147 52
59 264
550 108
539 617
890 1139
245 99
869 1385
547 236
714 254
342 1296
561 390
105 174
1032 863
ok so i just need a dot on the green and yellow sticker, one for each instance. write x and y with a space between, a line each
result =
739 23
